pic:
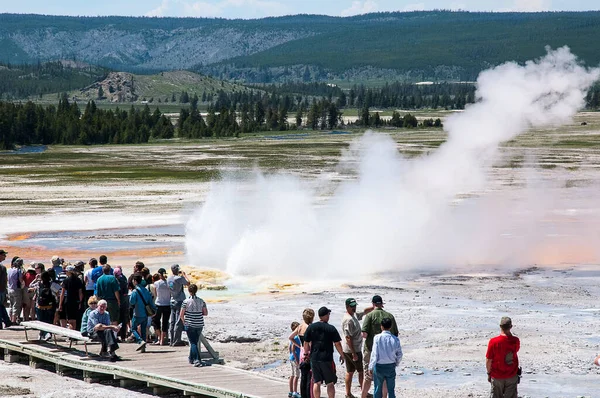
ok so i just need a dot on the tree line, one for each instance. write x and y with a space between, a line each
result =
28 123
22 81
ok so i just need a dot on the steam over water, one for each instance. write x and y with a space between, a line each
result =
398 213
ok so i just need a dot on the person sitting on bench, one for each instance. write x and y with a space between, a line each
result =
100 329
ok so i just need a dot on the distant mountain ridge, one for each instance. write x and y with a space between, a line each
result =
428 45
135 44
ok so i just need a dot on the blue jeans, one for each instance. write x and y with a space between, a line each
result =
193 335
46 316
175 324
385 372
142 322
3 313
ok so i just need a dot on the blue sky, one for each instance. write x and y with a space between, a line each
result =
263 8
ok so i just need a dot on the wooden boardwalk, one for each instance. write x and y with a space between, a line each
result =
165 369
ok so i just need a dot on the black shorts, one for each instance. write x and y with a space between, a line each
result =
323 372
353 366
71 310
160 321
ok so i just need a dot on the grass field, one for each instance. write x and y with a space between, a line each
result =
186 167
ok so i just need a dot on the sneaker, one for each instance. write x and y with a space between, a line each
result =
197 363
290 395
115 358
47 337
142 347
296 395
104 354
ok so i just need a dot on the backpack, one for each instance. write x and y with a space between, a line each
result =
45 297
98 272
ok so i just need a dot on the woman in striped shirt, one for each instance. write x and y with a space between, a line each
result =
192 315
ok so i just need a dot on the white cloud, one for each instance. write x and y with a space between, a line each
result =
160 10
221 8
415 7
360 7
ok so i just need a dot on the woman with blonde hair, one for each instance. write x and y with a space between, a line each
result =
308 315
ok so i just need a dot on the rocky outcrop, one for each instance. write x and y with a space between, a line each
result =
117 87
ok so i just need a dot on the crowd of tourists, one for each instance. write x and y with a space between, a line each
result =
373 351
103 304
106 306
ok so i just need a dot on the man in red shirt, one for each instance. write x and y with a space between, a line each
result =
502 362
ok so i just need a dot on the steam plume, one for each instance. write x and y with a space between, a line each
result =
398 213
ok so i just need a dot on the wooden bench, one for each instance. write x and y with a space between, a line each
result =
72 335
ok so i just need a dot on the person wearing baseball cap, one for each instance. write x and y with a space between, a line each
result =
352 343
176 283
372 327
319 340
502 362
71 298
4 318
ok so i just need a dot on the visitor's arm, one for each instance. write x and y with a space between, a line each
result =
352 350
488 366
399 354
293 335
185 277
338 347
374 349
204 310
62 297
182 315
81 297
306 349
117 296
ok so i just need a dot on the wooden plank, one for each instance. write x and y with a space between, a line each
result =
172 370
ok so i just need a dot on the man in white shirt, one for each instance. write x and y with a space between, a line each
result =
385 356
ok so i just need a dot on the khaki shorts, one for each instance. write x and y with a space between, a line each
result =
295 369
366 358
27 297
504 388
353 366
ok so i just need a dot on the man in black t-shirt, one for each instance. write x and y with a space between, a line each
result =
319 340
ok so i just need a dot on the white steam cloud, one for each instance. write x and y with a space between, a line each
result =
397 213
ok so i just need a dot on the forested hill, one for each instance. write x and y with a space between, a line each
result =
428 45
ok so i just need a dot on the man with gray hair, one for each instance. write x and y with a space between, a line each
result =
502 362
100 329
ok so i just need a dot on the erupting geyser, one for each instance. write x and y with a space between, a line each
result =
398 212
